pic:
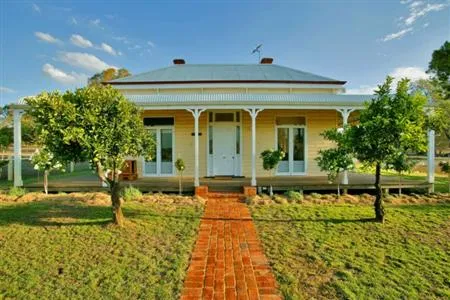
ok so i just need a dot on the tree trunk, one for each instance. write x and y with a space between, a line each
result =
116 204
180 186
339 190
379 209
400 183
46 182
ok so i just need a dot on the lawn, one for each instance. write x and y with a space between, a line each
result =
65 247
326 251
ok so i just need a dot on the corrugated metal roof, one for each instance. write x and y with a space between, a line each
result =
249 99
224 72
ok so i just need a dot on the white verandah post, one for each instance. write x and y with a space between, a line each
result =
345 112
17 116
196 112
253 114
430 158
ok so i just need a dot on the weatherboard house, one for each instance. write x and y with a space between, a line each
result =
219 117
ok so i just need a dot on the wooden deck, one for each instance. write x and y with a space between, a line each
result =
280 183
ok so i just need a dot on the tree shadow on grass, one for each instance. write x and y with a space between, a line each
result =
320 220
66 212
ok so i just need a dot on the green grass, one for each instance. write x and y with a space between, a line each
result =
65 248
324 251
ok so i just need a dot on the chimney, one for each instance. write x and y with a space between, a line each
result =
179 61
266 60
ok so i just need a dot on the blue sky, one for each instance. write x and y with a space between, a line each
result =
47 45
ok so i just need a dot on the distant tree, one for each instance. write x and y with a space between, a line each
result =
389 126
439 67
107 75
338 159
43 160
445 167
271 159
179 164
401 163
96 123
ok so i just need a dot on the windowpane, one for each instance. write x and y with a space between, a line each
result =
159 121
224 117
150 165
238 116
299 149
291 121
283 145
166 151
210 140
238 139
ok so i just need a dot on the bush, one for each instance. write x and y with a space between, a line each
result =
17 191
294 196
279 200
316 195
131 193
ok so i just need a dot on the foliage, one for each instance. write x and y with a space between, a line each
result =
179 164
16 191
271 158
390 126
107 75
439 67
441 118
294 196
76 255
95 123
44 160
445 166
131 193
342 257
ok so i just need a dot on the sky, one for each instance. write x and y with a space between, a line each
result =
57 45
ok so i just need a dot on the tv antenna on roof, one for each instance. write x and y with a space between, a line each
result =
258 49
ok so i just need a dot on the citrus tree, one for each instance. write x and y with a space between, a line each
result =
335 160
94 123
179 164
391 125
44 161
271 159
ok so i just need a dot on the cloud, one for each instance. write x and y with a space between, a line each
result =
36 8
46 37
85 61
151 44
4 89
419 9
108 49
362 90
73 21
135 47
63 77
396 35
121 39
80 41
412 73
426 25
96 23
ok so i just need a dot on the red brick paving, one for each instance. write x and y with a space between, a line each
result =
228 261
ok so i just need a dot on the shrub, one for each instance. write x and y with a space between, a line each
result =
316 196
17 191
279 199
131 193
294 196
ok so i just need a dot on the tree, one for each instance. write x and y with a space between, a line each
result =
43 160
390 126
401 164
97 124
271 159
107 75
179 164
335 160
445 167
439 67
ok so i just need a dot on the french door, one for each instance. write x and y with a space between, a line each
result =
291 140
161 162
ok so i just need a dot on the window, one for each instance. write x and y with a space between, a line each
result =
291 121
161 162
238 139
210 139
292 141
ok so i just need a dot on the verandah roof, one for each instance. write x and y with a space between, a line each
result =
250 99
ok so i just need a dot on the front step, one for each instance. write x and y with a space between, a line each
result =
204 191
224 195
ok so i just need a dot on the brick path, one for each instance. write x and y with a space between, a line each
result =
228 261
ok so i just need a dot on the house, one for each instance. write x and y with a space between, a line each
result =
219 117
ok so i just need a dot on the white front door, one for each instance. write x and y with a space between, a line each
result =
224 140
